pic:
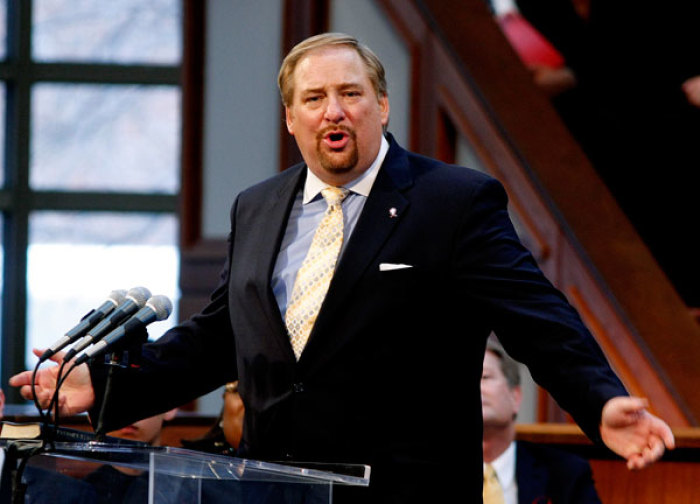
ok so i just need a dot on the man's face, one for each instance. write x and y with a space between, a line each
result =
336 116
499 402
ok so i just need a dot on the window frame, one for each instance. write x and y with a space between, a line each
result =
19 73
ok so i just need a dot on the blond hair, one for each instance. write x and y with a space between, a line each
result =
375 69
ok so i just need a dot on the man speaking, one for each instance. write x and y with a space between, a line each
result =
354 306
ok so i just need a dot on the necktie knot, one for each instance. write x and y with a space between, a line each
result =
334 196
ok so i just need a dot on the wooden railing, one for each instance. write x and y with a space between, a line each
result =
672 480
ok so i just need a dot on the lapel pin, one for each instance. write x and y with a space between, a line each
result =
393 213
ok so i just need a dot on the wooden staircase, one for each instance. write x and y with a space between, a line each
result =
470 84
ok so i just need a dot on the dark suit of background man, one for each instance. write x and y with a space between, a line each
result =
526 473
432 250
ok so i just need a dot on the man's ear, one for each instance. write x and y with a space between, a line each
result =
169 415
517 394
384 109
289 118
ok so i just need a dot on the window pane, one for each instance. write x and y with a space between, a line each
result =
76 259
105 137
117 31
3 99
3 29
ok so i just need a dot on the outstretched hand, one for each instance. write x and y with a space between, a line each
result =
76 393
628 429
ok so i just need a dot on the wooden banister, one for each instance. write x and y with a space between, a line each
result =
466 72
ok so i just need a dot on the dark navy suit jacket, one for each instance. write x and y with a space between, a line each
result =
390 376
547 475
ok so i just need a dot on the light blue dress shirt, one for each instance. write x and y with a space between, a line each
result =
307 211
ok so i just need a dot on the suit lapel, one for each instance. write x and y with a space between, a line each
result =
276 214
375 225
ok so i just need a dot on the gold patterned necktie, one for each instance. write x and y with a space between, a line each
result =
493 492
314 276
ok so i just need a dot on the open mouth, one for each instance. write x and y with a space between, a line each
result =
337 138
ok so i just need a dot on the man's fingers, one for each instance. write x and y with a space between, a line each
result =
634 463
642 457
26 392
653 452
624 410
57 357
634 405
664 433
21 379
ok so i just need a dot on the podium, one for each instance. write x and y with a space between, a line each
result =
79 472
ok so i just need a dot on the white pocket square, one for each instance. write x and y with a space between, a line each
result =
392 266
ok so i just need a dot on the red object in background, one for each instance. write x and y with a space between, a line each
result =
531 46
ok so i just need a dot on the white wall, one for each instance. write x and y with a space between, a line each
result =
241 103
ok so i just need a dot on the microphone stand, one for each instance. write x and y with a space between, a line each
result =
99 430
17 454
120 359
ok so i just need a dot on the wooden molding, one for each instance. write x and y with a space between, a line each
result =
194 16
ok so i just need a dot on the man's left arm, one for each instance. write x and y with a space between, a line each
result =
538 326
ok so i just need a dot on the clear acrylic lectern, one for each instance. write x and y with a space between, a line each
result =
174 475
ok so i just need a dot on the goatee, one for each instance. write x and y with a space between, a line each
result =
333 161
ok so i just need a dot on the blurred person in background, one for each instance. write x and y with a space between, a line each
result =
524 472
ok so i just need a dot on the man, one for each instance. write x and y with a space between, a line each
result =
425 248
525 473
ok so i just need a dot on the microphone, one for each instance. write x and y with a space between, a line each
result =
135 299
157 308
115 298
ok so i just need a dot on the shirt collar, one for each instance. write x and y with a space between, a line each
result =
361 185
504 466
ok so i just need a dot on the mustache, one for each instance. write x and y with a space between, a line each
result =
341 127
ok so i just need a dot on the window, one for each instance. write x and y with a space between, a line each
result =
90 142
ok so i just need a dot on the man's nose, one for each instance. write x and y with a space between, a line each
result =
334 110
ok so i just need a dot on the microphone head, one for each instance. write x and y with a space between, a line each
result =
161 305
139 295
117 296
